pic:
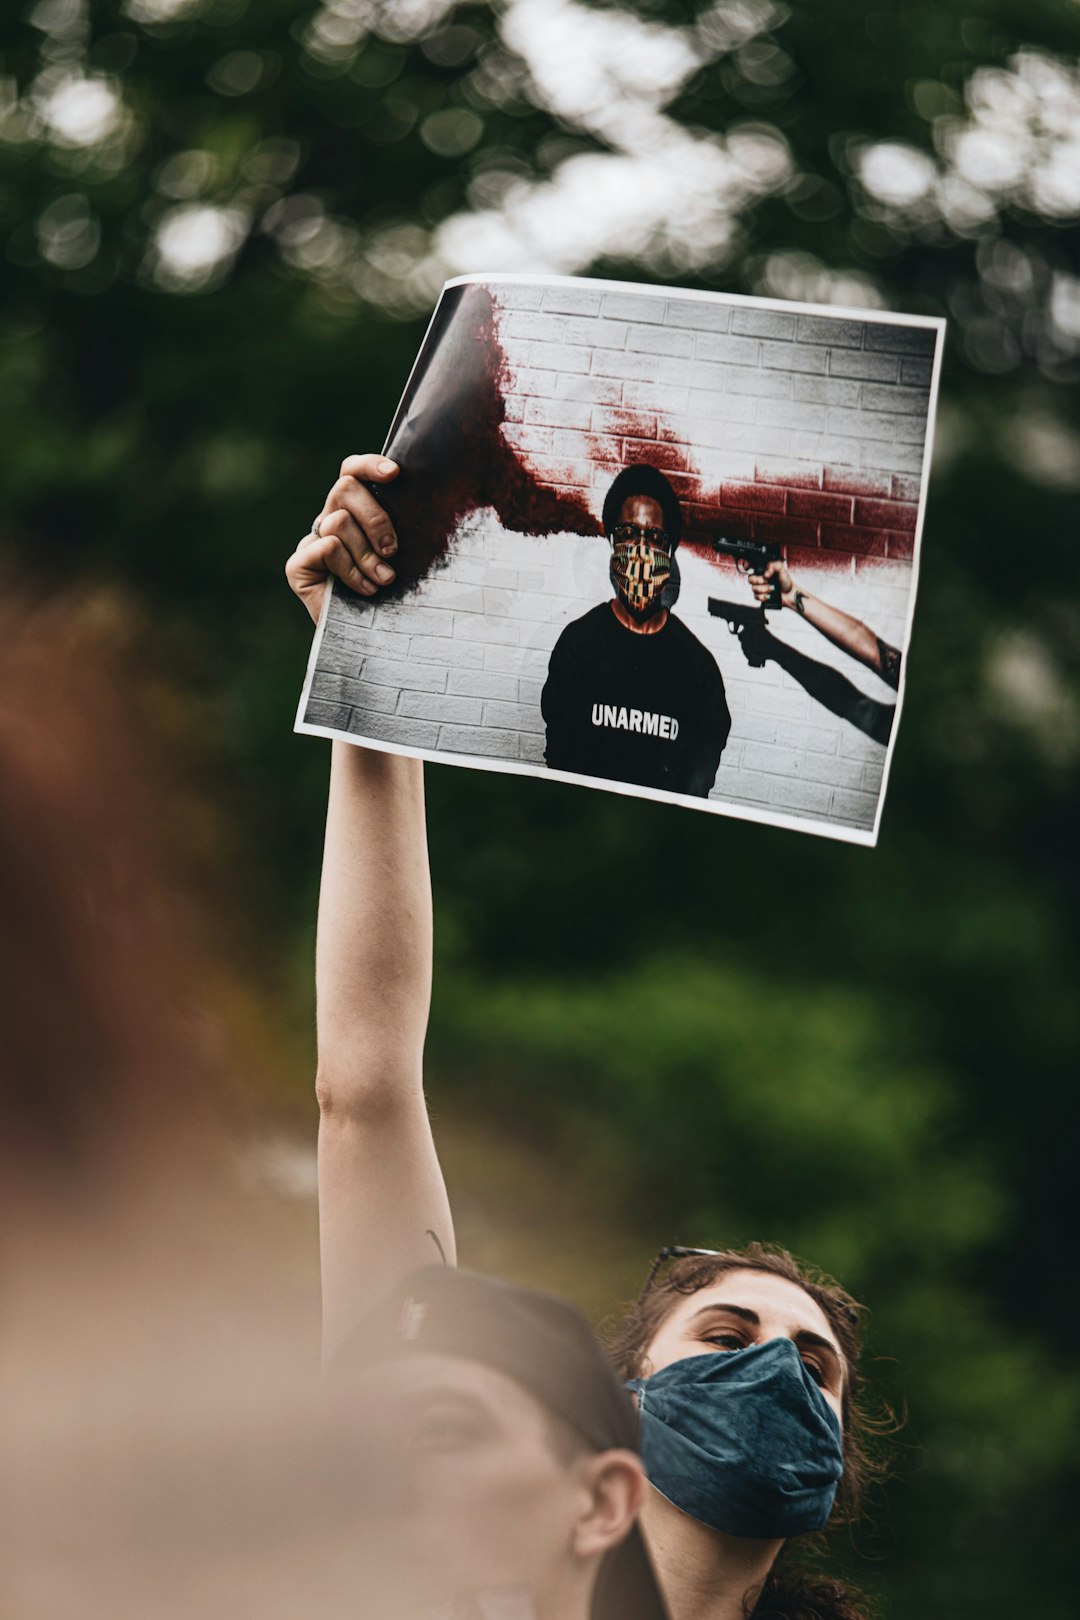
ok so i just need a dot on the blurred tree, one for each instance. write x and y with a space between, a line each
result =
224 225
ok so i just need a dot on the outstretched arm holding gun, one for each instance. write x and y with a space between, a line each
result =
774 586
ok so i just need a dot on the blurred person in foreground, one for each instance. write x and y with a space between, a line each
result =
506 1452
166 1450
744 1365
169 1451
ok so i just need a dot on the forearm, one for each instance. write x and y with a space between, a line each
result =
373 953
841 629
382 1203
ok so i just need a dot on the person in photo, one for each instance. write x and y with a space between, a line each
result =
743 1364
631 694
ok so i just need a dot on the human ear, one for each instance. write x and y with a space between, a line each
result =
615 1488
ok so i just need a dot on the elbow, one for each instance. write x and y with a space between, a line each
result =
373 1092
328 1095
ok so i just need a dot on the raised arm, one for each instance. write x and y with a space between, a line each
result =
383 1208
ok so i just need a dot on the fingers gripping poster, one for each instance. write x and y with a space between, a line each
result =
657 542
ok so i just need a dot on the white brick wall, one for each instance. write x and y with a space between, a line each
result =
722 395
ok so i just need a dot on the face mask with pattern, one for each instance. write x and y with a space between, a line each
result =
640 571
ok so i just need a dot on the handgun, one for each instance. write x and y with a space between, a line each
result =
752 557
749 624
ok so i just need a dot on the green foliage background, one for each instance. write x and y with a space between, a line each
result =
705 1031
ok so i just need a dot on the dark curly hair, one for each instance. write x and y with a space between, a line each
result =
792 1591
642 479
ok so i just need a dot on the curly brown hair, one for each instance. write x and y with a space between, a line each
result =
792 1592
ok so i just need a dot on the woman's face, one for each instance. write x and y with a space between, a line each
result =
742 1308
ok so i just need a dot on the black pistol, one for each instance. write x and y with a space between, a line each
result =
749 624
752 557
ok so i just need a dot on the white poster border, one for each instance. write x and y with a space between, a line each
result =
818 826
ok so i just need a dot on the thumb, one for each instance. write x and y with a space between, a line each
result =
370 469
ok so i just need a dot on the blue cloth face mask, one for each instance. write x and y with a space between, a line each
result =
742 1440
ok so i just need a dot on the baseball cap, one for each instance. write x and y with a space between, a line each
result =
548 1347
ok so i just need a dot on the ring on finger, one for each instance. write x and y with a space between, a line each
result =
315 526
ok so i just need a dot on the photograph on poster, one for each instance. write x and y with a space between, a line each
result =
654 541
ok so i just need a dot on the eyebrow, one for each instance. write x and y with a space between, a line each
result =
448 1392
804 1336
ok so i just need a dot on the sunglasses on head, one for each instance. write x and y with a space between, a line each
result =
676 1251
673 1251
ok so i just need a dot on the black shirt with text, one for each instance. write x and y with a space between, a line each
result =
632 707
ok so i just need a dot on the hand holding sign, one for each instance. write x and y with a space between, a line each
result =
352 537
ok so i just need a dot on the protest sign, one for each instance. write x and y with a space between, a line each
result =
593 473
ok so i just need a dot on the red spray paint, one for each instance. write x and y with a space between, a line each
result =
453 457
455 460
